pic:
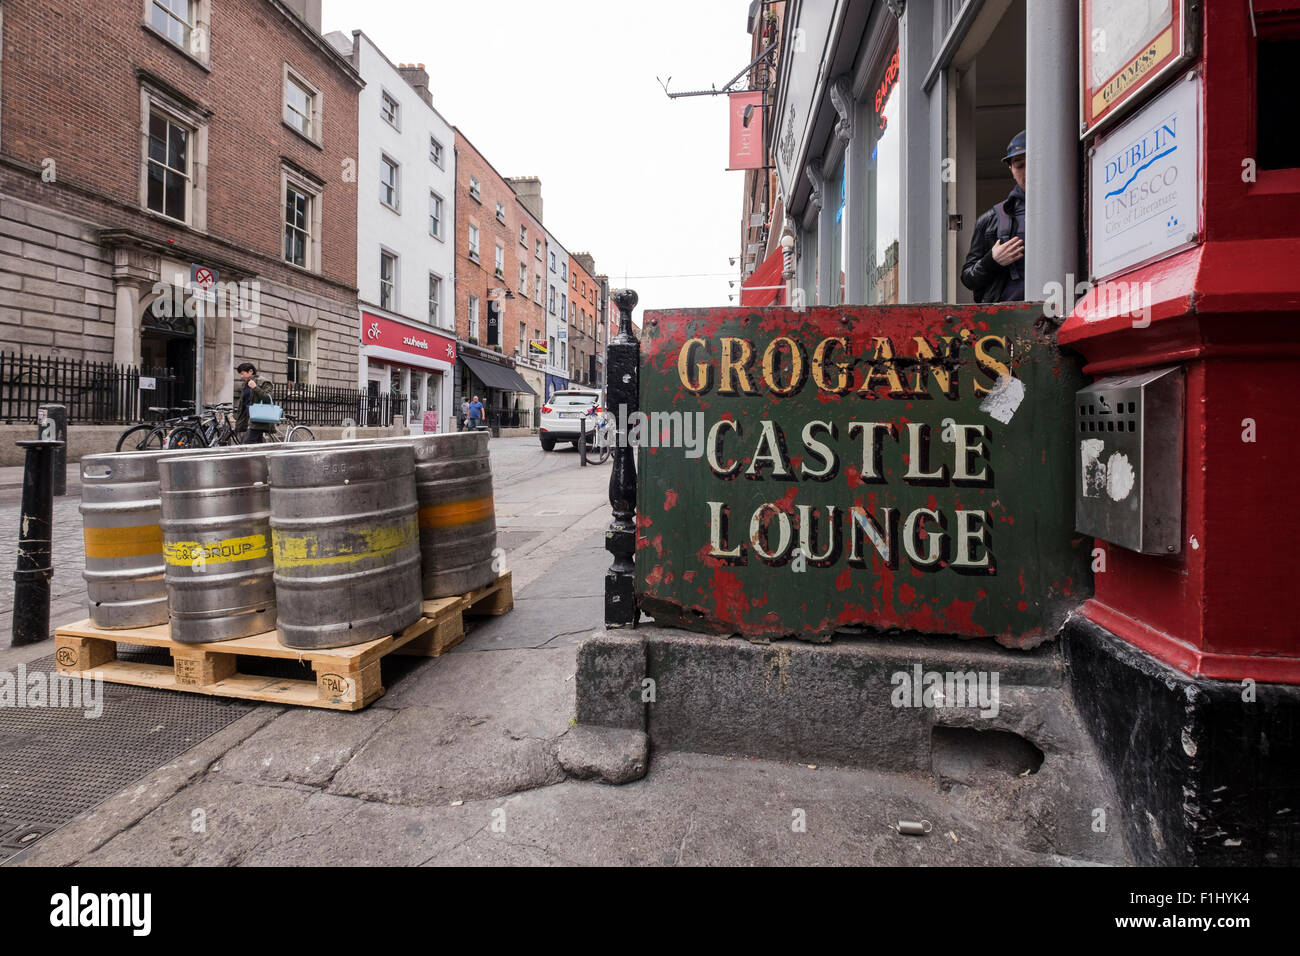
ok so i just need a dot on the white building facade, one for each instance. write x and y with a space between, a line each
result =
406 222
557 313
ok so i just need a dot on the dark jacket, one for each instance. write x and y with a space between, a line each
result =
261 395
981 274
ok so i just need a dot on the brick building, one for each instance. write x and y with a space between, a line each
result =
488 220
584 341
137 141
528 310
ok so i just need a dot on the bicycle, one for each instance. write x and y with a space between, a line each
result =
599 435
153 436
217 428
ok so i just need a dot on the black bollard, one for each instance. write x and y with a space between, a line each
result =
36 525
52 425
623 359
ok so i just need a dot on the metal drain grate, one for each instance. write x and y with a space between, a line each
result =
55 764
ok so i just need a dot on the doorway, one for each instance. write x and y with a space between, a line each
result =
986 108
167 341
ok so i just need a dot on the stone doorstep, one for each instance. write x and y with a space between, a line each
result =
834 703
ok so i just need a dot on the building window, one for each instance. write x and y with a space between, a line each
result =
550 351
552 262
523 338
523 278
387 280
499 262
298 355
473 243
564 307
435 214
297 226
550 299
169 167
564 270
574 281
435 152
175 19
390 109
523 236
302 218
473 319
301 105
388 183
883 178
537 287
539 249
501 212
475 189
435 299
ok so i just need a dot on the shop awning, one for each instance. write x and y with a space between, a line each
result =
497 376
764 286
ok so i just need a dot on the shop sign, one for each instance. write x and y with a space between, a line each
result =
1144 183
896 468
887 84
746 140
377 330
1125 48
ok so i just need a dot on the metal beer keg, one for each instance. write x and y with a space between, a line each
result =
216 521
121 522
346 544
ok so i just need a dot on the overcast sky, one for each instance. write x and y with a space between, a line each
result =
567 91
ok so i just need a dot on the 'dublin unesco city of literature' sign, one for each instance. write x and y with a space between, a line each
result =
895 468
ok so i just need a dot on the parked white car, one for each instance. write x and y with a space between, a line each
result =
562 416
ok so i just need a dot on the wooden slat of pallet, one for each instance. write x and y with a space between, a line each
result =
347 678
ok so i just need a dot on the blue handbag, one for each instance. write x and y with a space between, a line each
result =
265 414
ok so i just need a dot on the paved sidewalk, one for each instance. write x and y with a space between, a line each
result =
456 764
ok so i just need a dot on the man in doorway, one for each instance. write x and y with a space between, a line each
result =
475 414
464 414
995 265
253 392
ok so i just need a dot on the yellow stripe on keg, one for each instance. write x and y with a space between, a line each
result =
133 542
183 554
456 513
305 551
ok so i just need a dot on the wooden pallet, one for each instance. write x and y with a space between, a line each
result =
346 678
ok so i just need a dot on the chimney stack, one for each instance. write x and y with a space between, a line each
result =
416 75
529 191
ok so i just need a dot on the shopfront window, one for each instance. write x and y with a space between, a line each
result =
838 237
883 191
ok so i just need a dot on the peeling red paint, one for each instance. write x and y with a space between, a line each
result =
786 501
853 475
670 499
907 594
844 579
729 601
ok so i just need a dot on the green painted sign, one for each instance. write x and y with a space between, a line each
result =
898 468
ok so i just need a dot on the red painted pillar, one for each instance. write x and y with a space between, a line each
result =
1228 311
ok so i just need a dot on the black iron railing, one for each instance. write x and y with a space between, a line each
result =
327 405
95 393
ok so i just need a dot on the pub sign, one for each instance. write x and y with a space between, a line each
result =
893 469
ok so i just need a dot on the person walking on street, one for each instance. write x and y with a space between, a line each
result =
253 392
995 265
464 414
475 414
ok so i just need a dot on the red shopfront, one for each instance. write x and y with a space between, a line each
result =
413 362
